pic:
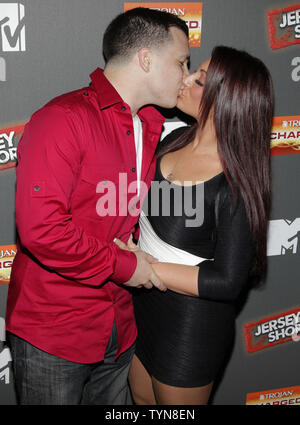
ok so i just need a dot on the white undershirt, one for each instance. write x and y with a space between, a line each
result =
151 243
138 140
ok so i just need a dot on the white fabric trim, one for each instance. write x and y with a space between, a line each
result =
165 253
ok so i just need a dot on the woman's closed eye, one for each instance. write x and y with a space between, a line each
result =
199 83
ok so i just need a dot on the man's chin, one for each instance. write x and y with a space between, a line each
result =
168 105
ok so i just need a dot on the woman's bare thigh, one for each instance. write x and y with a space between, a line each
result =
147 390
140 383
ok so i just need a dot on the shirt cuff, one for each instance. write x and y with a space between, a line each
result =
125 266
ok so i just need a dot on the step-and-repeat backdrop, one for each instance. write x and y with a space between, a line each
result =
50 47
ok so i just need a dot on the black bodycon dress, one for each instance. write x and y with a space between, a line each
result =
183 340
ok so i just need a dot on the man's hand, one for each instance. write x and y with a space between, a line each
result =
144 274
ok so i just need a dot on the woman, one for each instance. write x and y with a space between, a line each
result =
184 333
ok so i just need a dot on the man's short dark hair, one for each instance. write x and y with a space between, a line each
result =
138 28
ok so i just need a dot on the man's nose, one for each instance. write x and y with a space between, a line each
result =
186 71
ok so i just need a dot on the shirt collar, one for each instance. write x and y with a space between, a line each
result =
108 96
106 93
149 113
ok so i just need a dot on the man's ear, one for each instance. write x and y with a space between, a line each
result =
145 59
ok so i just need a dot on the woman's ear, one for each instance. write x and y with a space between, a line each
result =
145 59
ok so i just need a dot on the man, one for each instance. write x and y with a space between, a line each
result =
69 317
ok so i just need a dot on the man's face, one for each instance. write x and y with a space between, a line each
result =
169 69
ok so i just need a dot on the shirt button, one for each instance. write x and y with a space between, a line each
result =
85 93
133 170
128 132
36 188
123 108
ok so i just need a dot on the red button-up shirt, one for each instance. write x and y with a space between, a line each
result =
66 282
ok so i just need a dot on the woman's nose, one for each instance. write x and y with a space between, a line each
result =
188 80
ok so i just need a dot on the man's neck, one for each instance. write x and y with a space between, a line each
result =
127 85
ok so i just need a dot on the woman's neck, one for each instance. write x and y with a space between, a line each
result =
205 140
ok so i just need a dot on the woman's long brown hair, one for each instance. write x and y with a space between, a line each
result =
239 90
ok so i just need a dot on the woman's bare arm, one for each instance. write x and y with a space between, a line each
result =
178 278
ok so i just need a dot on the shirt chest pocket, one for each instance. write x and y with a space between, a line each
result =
94 174
97 192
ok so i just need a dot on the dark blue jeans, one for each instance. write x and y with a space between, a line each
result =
44 379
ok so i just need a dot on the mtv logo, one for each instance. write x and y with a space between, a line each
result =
12 27
2 329
5 358
283 237
2 70
5 355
